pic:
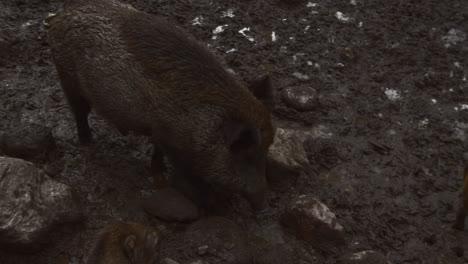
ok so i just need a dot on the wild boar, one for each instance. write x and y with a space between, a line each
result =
143 74
125 243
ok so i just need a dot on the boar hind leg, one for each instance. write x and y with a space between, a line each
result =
79 106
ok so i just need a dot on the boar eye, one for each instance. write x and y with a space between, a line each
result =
245 139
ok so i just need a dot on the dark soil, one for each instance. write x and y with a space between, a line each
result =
390 119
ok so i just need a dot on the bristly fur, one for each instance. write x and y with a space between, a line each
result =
108 244
144 75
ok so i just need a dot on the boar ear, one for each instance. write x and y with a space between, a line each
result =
240 136
263 90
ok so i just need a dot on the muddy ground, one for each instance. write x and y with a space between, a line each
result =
390 119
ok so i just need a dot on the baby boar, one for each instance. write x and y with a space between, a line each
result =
143 74
125 243
462 201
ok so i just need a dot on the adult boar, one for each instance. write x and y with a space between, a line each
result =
143 74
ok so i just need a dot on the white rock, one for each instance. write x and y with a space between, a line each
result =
287 149
311 220
300 97
453 37
31 204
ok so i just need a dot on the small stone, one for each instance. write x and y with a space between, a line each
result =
364 257
453 37
312 221
169 261
202 250
170 205
300 97
343 17
31 205
26 140
348 54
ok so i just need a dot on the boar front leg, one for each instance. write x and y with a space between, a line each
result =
79 106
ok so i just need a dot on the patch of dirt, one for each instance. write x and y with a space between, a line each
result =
392 97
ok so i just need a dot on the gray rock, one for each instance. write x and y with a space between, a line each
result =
198 262
312 221
287 149
31 204
225 242
364 257
169 261
26 140
170 205
286 158
202 250
300 97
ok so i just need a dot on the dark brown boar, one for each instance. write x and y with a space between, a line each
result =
125 243
462 203
145 75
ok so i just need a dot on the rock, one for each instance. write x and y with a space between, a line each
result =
286 158
364 257
169 261
453 37
300 97
202 250
224 241
287 149
198 262
26 140
31 204
312 221
170 205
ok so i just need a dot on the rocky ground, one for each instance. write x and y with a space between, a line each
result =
386 111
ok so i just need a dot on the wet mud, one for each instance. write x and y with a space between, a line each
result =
389 123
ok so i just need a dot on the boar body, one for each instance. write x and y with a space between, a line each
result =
143 74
